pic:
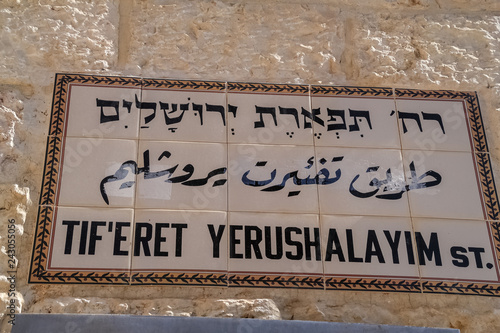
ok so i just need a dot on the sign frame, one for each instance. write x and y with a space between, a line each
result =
52 177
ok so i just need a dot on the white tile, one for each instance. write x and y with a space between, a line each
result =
368 246
281 244
364 182
443 184
182 176
261 179
91 239
102 112
98 172
181 241
433 125
355 122
177 115
269 119
455 250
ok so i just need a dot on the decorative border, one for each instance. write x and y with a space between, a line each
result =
460 288
61 88
183 84
482 158
495 228
488 186
58 106
417 93
338 283
275 281
476 124
101 80
50 170
180 279
76 277
41 243
267 88
39 274
351 91
473 110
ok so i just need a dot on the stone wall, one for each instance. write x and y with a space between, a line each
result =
428 44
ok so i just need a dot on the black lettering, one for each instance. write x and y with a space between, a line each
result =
333 238
216 238
409 248
428 251
393 243
308 244
233 241
93 235
104 103
463 260
159 239
119 238
373 248
268 242
69 235
139 239
350 247
178 237
477 255
289 241
252 243
83 238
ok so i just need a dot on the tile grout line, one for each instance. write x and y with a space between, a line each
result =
318 214
227 183
136 190
414 245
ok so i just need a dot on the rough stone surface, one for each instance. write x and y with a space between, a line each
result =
429 44
298 42
40 36
238 308
14 202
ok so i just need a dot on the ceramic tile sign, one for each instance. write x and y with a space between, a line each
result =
175 182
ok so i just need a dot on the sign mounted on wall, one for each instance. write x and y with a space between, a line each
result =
172 182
